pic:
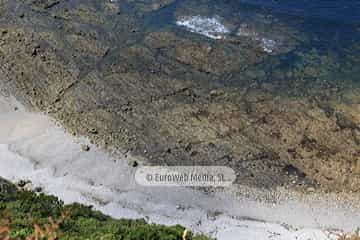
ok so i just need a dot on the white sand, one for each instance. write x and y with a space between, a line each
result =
32 147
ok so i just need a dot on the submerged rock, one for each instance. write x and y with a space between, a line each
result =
345 122
151 91
217 20
85 148
150 5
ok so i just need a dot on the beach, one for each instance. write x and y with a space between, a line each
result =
35 148
94 90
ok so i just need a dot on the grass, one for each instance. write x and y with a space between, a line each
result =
29 216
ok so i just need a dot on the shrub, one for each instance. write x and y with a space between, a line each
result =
28 216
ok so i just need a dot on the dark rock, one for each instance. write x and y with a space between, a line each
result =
93 131
345 122
292 170
85 148
44 4
133 163
23 183
8 191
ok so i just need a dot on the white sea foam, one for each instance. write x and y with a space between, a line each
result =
209 27
212 27
267 44
32 147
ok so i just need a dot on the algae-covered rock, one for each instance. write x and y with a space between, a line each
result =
150 91
203 57
150 5
239 24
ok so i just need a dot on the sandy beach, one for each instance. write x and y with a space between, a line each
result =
34 148
95 90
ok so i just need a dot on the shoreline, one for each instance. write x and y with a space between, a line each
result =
42 159
176 97
115 85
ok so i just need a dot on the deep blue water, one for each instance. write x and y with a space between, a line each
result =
327 33
333 23
330 20
331 27
342 11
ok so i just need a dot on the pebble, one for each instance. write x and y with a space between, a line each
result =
133 163
216 93
93 131
310 189
23 183
85 148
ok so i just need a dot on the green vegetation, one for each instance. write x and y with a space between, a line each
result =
27 215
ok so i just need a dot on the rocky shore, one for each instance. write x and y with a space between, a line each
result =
39 155
172 97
